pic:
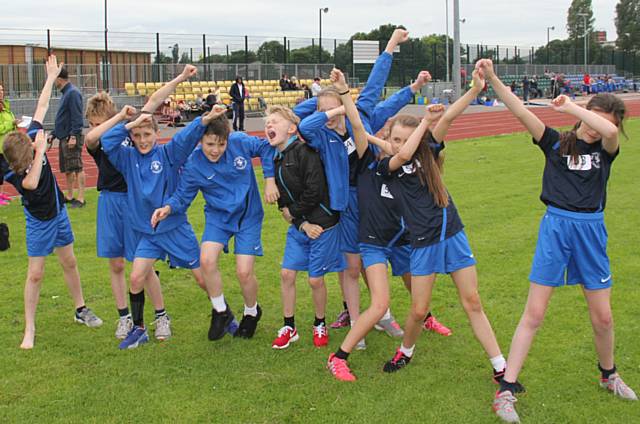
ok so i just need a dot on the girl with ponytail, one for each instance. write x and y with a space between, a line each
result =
438 242
572 241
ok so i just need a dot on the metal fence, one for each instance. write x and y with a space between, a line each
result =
100 56
531 69
26 81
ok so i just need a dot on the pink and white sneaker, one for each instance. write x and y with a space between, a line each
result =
432 324
339 368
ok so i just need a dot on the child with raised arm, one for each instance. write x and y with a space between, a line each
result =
439 243
48 226
152 173
222 170
115 239
572 240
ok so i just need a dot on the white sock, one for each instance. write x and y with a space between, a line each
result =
218 303
352 322
498 363
253 311
387 315
407 351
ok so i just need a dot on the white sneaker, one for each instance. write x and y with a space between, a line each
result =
125 324
163 327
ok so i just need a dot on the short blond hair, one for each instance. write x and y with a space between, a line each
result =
101 105
284 112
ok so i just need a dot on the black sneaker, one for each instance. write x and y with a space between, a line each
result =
248 325
222 323
399 361
75 203
512 387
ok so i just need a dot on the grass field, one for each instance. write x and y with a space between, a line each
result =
76 374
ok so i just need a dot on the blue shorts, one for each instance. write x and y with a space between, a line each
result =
44 236
571 249
349 221
114 237
318 257
247 241
444 257
180 244
398 256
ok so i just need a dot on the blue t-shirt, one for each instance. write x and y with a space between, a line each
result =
577 187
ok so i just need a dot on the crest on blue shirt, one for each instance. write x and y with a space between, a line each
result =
156 167
240 163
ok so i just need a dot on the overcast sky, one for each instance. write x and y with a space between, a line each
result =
507 22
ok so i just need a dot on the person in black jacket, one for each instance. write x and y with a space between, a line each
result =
238 93
312 243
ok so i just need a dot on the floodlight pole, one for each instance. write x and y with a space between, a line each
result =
446 3
456 49
586 33
106 50
320 11
552 28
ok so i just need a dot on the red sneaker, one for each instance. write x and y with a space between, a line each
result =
339 368
432 324
343 320
286 336
320 335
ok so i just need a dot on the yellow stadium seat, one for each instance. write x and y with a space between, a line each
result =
190 97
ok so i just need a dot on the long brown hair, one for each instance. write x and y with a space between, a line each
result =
603 102
429 165
18 151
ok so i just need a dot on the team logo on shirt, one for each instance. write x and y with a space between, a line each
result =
240 163
156 167
409 169
350 145
126 142
385 192
584 162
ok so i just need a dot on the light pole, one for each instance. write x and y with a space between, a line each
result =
320 12
446 3
106 51
552 28
586 32
456 49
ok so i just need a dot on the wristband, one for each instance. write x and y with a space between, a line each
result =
146 112
346 92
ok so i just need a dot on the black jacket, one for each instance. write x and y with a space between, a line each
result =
235 94
303 186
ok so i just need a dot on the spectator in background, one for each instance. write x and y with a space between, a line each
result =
586 83
293 84
316 87
307 92
513 86
285 82
525 89
238 93
68 130
535 90
8 121
212 98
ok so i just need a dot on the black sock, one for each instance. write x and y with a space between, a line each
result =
78 310
345 305
342 354
607 373
505 385
290 321
137 308
319 321
428 316
160 313
123 312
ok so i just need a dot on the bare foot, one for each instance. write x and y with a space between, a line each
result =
28 340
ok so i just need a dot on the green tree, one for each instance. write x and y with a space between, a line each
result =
185 58
308 54
271 52
575 22
628 24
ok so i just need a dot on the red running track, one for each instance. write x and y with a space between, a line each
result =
469 125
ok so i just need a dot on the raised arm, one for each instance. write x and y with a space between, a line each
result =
443 125
604 127
93 137
384 145
185 140
32 179
432 113
513 103
357 127
158 97
306 108
53 70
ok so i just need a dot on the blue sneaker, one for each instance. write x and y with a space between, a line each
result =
137 336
